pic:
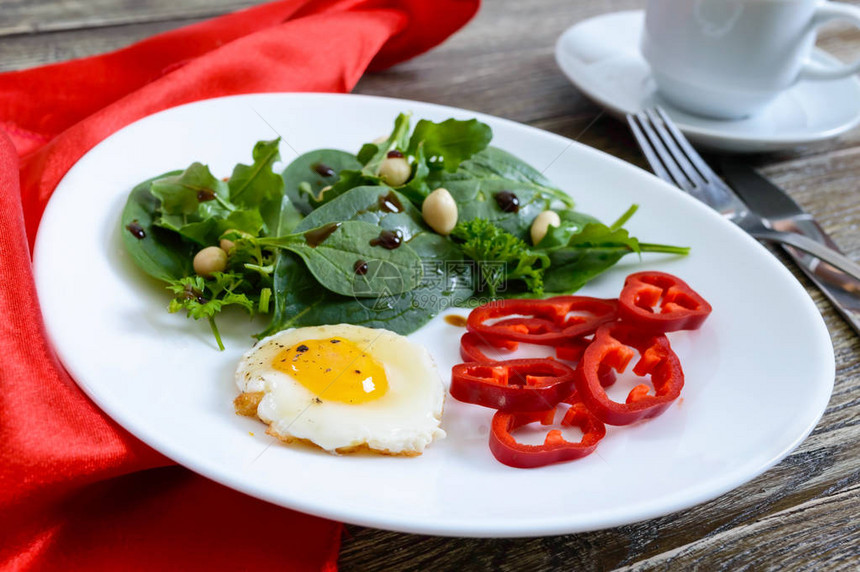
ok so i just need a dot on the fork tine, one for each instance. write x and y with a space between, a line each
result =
648 150
677 176
692 155
660 123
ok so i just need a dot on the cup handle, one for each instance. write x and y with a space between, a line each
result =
826 12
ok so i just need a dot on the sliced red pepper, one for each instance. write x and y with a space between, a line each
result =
546 322
470 347
555 448
513 385
660 302
572 350
614 346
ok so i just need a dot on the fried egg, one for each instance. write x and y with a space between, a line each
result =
344 388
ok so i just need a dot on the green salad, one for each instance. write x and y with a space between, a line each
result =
429 218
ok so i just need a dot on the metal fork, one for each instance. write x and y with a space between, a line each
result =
674 160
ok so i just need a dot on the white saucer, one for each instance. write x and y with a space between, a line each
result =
601 57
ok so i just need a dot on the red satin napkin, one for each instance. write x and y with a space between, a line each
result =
76 490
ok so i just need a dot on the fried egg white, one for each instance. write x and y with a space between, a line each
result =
344 388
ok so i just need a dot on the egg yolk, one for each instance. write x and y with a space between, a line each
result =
334 369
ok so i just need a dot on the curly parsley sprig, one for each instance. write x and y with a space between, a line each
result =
202 298
501 257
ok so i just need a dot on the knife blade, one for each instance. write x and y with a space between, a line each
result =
782 213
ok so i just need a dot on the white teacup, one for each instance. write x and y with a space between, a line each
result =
729 58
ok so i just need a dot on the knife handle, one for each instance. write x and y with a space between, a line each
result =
842 290
833 257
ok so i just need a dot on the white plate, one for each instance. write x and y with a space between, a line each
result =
759 373
601 57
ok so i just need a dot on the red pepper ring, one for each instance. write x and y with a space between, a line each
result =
572 350
555 448
470 347
612 346
545 322
513 385
680 307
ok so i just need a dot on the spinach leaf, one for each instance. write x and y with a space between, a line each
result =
302 301
571 268
494 162
476 199
378 205
572 223
158 252
310 173
478 180
289 217
450 142
334 252
348 180
594 250
256 186
446 280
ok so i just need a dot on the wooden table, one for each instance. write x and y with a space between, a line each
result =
801 514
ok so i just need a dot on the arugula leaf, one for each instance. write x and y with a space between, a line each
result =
196 186
501 257
193 202
256 186
206 232
398 139
416 188
450 142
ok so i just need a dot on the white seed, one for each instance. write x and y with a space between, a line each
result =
440 211
226 245
541 224
210 259
395 171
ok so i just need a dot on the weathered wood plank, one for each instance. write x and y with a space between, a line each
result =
39 16
26 51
